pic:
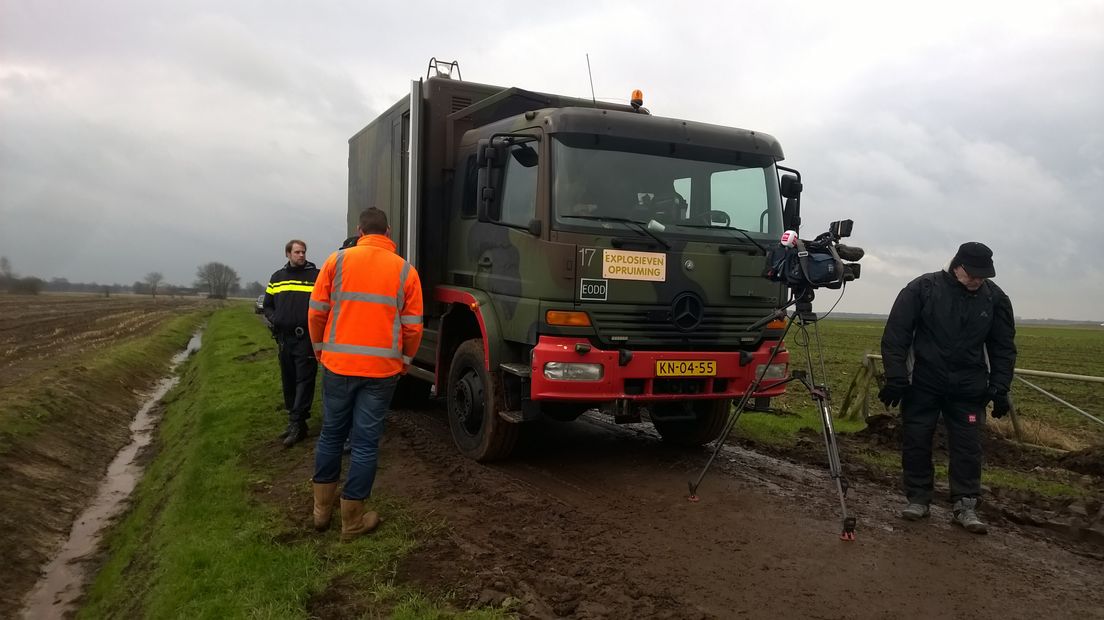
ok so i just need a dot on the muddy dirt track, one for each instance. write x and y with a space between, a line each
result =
38 330
591 521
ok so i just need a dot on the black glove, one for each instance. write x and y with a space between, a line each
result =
1002 404
893 392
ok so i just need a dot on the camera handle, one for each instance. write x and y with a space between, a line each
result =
801 315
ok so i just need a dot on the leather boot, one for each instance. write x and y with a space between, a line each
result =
324 496
287 431
355 520
297 433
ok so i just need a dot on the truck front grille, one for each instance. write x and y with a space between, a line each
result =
645 327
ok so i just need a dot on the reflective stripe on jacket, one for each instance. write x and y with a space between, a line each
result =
287 295
366 310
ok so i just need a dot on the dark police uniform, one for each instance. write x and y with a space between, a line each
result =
963 352
285 307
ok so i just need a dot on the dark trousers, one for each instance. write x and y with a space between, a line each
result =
298 367
963 419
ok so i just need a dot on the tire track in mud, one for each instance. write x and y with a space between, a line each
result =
590 520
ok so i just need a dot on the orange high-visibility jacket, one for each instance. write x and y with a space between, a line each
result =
365 312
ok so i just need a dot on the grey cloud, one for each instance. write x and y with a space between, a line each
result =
155 136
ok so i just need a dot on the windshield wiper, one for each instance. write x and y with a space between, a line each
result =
623 220
739 230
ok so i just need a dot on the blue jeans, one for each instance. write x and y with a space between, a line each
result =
356 406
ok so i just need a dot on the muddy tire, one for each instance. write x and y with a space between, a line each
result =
474 400
710 417
410 393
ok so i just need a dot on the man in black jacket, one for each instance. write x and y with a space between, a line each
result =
949 347
285 307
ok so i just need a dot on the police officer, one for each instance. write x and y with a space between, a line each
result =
285 306
949 348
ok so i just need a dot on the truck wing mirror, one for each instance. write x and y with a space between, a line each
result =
791 214
790 186
525 155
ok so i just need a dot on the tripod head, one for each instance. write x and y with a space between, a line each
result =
802 302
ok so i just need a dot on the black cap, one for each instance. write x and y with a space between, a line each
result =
976 258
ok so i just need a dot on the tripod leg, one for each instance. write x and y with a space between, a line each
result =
740 407
720 442
835 469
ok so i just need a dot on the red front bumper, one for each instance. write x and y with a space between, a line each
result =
637 379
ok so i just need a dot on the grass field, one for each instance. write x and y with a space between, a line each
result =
203 540
1057 349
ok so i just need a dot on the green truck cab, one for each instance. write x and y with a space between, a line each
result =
576 255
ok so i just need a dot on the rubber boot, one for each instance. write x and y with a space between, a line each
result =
324 496
355 520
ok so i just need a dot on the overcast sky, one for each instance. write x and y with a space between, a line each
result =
154 136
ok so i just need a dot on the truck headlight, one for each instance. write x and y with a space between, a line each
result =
774 372
572 371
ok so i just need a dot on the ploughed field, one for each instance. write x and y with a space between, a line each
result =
72 371
41 331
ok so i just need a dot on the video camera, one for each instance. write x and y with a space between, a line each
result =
806 265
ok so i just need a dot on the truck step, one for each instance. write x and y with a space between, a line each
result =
421 373
520 370
514 417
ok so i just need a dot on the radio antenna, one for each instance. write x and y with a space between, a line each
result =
591 76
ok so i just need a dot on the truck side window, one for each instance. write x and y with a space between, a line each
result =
469 190
519 191
742 194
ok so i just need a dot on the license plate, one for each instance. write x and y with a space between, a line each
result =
687 368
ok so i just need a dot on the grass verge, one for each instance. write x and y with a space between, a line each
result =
25 407
204 537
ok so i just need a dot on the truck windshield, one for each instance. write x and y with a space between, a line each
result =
694 192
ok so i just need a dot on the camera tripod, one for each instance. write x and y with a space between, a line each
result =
802 316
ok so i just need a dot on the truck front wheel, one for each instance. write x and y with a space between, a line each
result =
474 400
709 419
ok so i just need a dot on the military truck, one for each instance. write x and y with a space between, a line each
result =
577 255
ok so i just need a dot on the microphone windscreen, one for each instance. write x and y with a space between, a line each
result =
850 252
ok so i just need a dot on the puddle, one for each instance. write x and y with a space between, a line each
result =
62 580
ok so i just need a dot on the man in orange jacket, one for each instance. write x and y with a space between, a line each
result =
365 321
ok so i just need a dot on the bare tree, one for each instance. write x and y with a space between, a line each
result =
217 279
153 279
254 289
7 278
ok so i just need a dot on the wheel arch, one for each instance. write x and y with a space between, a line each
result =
470 314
